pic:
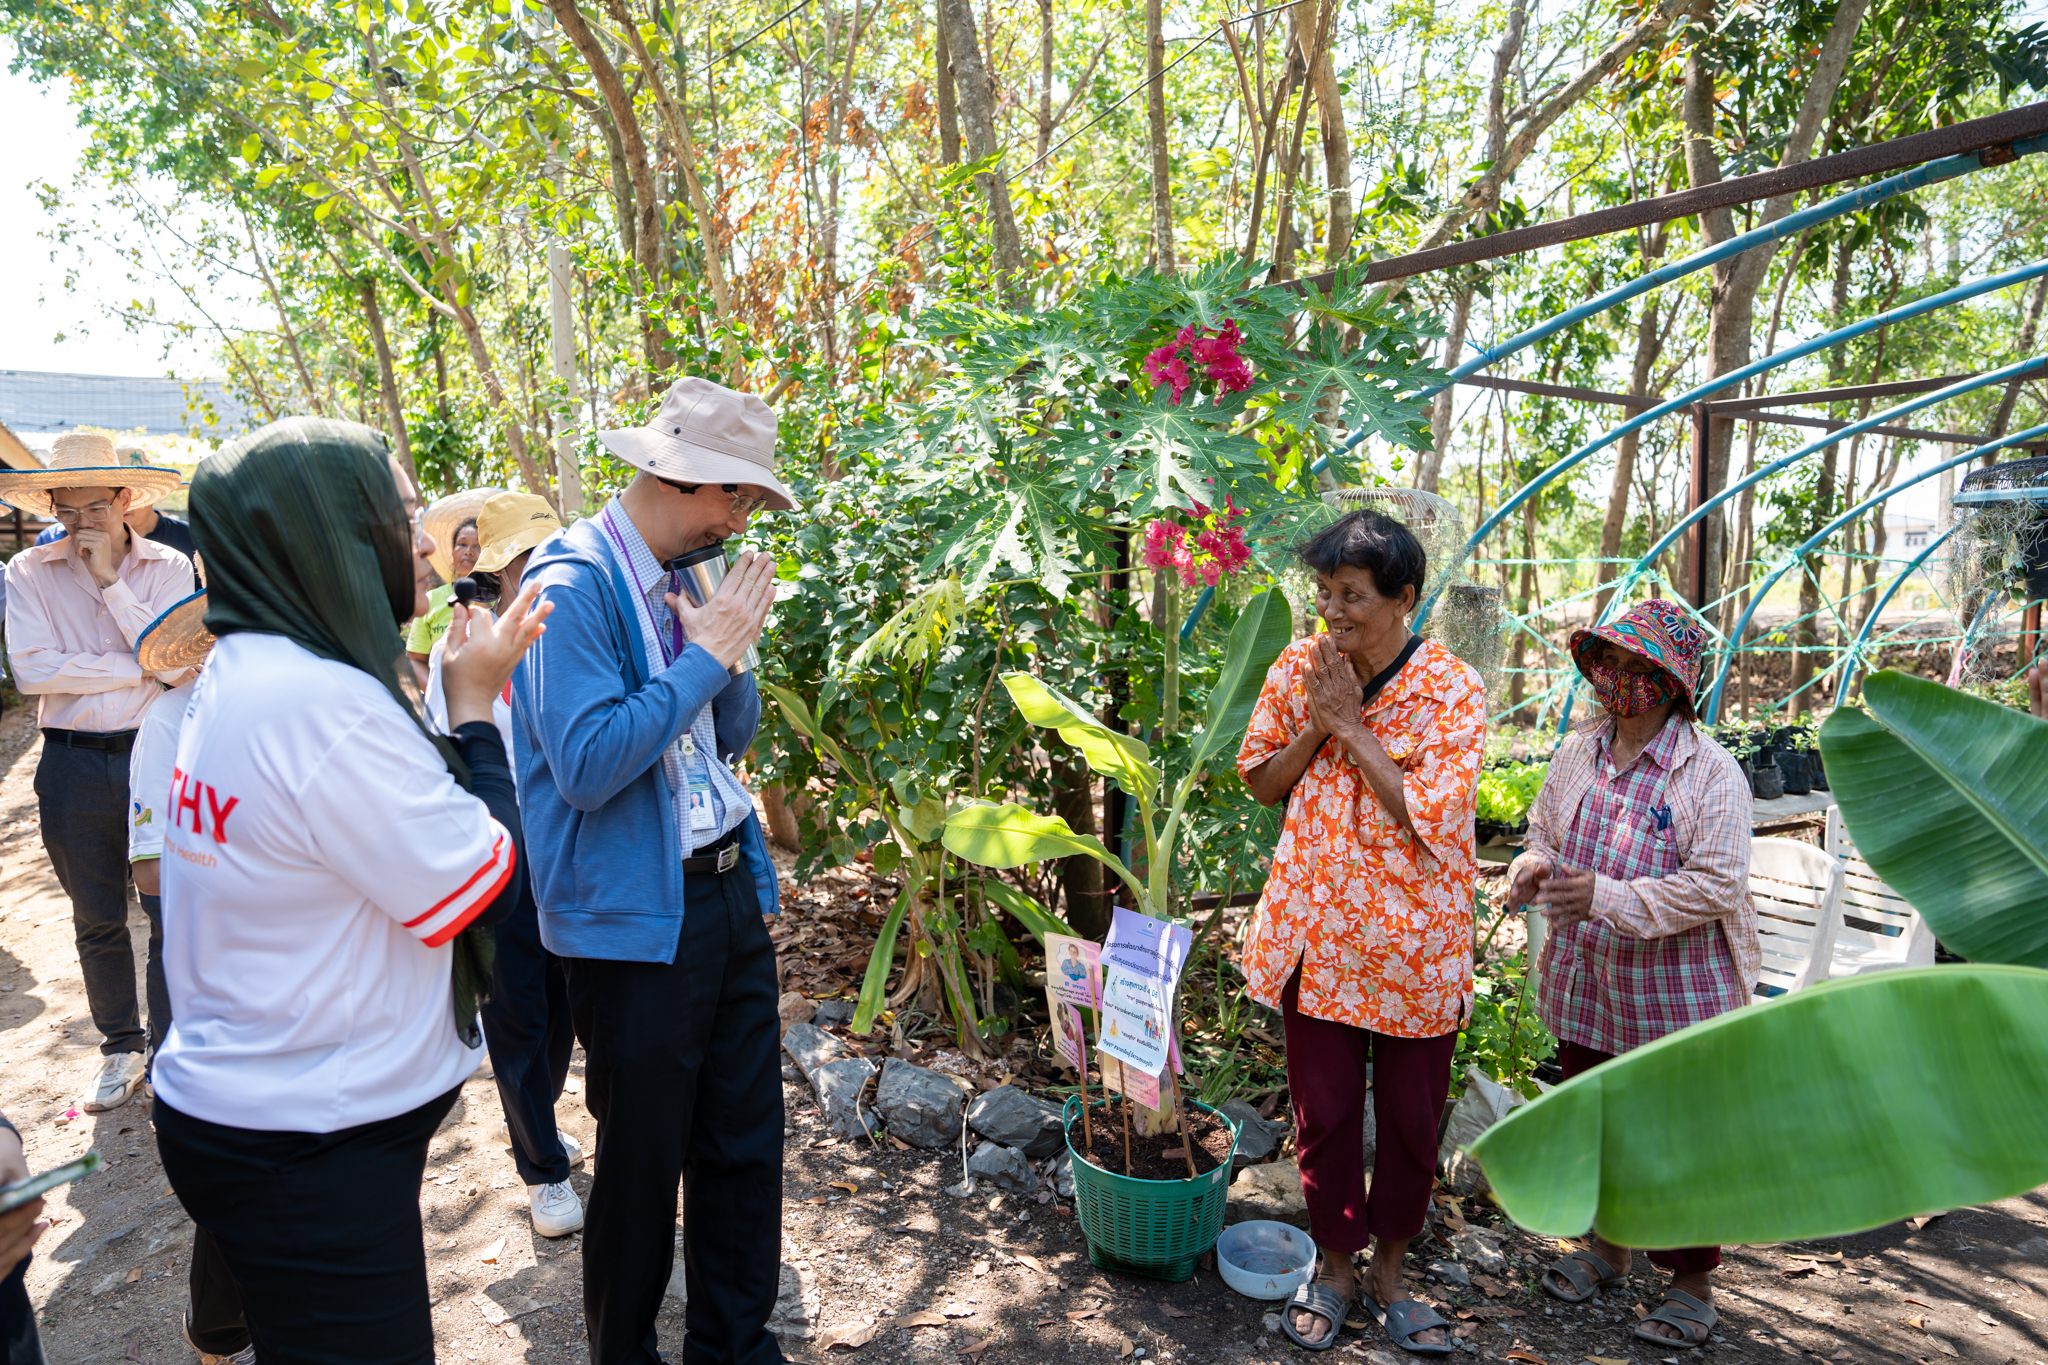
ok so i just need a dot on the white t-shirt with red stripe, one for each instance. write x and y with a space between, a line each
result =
317 861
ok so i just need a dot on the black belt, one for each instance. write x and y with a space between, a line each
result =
722 856
113 742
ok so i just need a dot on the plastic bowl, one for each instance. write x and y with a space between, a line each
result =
1265 1260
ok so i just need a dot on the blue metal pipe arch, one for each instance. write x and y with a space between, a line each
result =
1863 635
1794 557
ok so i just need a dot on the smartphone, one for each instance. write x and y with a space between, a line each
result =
21 1191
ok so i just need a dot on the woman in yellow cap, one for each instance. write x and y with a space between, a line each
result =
526 1019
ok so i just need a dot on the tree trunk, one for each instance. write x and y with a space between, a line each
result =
284 322
976 89
646 200
387 379
1342 215
1429 466
1732 293
1155 116
1649 346
2002 422
948 101
1073 800
1308 42
1045 56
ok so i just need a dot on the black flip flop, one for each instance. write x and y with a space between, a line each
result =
1322 1301
1404 1319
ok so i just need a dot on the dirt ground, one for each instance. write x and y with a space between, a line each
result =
997 1279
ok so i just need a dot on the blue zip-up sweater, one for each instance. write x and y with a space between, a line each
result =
589 727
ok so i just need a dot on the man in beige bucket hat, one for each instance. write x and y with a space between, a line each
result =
651 875
75 610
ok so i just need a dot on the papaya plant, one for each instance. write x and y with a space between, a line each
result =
1856 1102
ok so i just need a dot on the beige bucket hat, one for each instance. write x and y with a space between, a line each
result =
441 518
706 433
84 459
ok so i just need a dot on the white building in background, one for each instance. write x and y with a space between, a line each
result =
1906 536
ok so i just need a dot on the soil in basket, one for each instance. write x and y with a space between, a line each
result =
1158 1157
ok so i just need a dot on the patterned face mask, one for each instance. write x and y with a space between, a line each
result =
1628 694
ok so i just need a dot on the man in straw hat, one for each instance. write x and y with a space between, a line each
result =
147 519
652 876
75 610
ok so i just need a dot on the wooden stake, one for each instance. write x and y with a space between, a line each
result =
1180 1114
1087 1131
1127 1132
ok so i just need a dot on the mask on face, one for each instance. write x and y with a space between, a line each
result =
1628 694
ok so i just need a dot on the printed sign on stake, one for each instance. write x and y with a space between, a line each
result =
1073 972
1142 1089
1141 967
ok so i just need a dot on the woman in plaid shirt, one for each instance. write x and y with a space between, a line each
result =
1638 856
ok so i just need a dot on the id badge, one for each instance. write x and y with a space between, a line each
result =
697 781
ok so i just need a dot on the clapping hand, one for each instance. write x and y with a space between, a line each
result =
1334 692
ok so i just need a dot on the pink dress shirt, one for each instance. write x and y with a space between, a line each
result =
72 644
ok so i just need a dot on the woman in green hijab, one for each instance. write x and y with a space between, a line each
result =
329 874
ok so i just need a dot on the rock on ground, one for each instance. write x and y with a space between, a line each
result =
810 1047
1014 1118
839 1085
1480 1249
1272 1191
833 1013
1006 1168
920 1105
1257 1139
795 1008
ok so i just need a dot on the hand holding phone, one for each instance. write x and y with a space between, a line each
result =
20 1192
21 1200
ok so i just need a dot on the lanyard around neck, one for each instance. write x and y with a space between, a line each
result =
669 648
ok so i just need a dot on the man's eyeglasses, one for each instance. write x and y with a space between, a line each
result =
92 511
743 504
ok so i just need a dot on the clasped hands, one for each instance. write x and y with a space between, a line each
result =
1563 893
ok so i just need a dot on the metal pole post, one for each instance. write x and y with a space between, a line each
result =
562 339
1696 538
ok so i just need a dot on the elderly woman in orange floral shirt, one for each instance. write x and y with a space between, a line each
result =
1363 939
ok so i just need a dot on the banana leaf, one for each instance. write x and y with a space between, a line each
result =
1011 836
1944 795
1834 1109
1028 912
874 986
1263 629
1114 755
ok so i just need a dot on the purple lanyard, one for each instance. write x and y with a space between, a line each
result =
668 650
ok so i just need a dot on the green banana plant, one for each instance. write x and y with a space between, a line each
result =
1856 1102
1008 835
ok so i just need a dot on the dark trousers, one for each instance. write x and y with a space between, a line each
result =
82 797
684 1079
308 1244
1572 1058
19 1343
530 1035
1411 1082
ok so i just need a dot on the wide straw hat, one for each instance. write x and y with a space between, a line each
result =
84 459
706 433
510 525
178 639
443 516
1659 631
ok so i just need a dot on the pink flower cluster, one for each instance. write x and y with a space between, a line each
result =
1207 550
1217 355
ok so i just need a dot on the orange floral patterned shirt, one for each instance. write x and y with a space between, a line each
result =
1380 922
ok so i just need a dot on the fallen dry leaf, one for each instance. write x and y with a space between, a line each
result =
493 1252
1797 1270
1490 1287
1608 1360
1046 1322
1174 1311
1124 1347
1944 1347
926 1318
818 1199
1083 1314
958 1310
847 1336
1032 1261
1527 1357
134 1274
899 1143
1917 1321
1642 1311
846 1185
1924 1219
1916 1303
1815 1255
974 1352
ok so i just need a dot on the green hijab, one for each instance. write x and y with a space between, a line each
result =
304 535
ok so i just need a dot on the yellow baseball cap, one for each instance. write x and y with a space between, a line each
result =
509 525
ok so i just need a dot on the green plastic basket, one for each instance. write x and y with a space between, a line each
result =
1155 1228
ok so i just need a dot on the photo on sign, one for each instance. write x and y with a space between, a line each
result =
1068 1041
1073 972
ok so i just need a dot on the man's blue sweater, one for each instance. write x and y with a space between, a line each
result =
589 729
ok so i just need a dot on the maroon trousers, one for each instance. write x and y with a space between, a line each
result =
1572 1058
1411 1082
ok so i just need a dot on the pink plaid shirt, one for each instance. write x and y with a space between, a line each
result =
1672 940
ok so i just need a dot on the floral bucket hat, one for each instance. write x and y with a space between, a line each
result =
1658 630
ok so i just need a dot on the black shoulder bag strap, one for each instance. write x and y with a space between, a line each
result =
1373 688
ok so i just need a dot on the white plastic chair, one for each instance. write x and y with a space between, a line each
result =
1879 928
1797 889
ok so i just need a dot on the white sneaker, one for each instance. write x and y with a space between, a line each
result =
120 1077
557 1211
572 1149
